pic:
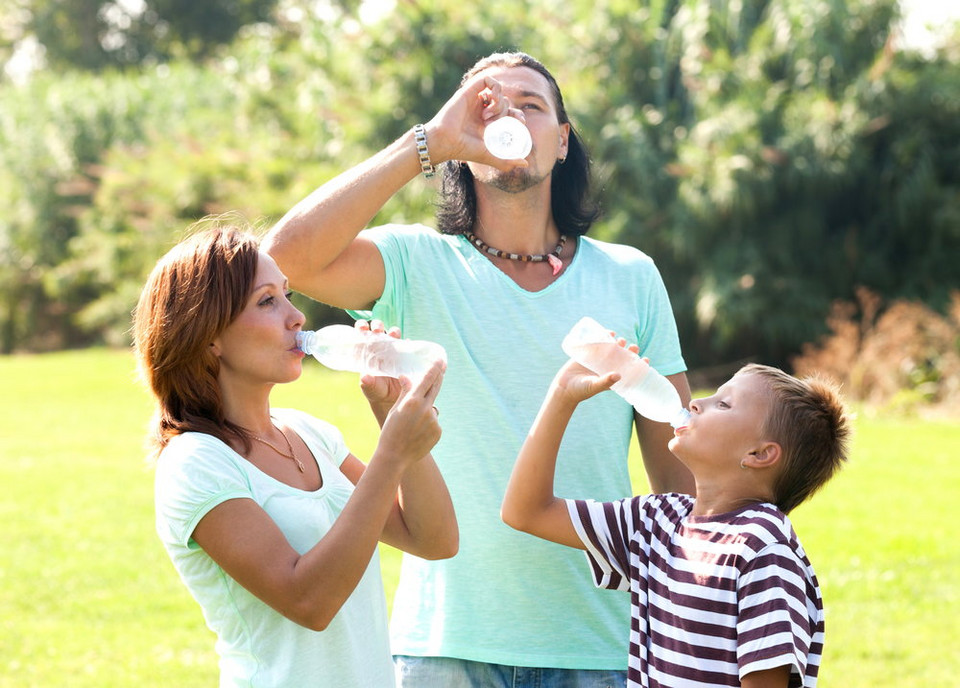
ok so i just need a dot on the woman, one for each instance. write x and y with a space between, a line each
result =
270 521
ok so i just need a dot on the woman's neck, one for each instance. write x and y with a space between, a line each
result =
248 409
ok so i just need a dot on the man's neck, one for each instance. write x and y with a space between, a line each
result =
516 223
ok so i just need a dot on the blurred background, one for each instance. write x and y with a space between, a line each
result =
793 166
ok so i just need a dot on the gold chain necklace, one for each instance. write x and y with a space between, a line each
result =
292 455
552 258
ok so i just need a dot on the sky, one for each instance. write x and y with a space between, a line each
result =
922 19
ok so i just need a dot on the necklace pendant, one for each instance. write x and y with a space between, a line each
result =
555 263
299 464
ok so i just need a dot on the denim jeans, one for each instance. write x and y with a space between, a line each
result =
448 672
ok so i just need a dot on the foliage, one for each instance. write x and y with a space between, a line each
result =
899 355
751 149
98 34
46 180
51 167
771 156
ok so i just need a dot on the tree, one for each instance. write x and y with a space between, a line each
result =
92 35
771 156
740 144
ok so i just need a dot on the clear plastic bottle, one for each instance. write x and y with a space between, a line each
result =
650 393
507 138
342 347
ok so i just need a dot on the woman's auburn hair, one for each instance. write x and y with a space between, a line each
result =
193 293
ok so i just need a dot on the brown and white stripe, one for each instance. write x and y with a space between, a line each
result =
712 598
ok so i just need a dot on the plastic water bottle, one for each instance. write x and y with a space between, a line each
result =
650 393
507 138
342 347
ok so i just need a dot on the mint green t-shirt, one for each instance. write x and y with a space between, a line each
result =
508 597
258 647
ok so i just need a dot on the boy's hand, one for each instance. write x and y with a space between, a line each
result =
578 383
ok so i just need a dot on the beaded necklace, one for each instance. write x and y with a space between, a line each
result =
553 258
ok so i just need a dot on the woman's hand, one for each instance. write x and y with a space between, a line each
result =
403 407
411 428
381 392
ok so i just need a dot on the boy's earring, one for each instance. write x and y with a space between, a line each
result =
742 464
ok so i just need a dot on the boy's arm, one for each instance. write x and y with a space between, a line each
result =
530 504
769 678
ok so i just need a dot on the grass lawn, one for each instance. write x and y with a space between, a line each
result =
89 599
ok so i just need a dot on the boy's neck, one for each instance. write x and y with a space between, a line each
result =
712 499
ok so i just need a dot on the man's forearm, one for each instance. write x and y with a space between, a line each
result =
320 227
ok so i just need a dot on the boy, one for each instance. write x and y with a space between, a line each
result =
722 593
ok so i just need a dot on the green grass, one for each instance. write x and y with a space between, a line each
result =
89 599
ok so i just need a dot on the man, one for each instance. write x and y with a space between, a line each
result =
499 288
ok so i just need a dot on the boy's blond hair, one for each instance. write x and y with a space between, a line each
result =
809 421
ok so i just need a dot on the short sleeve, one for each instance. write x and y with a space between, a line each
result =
394 242
658 338
606 529
774 624
195 473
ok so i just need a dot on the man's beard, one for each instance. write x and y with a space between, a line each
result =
517 180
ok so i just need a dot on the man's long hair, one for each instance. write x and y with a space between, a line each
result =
574 211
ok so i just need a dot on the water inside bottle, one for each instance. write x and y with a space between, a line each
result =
649 392
340 347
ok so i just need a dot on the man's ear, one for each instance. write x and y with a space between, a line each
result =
767 455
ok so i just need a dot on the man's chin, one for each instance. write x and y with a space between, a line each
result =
516 180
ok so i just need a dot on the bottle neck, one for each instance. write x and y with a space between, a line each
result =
681 418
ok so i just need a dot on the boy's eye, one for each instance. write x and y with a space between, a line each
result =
722 404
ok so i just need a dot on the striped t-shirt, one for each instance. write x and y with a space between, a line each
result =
712 598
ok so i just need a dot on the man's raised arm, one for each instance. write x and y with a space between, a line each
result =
318 243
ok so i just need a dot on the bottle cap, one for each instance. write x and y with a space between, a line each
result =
507 138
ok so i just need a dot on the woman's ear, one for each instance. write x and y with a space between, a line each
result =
215 348
766 456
